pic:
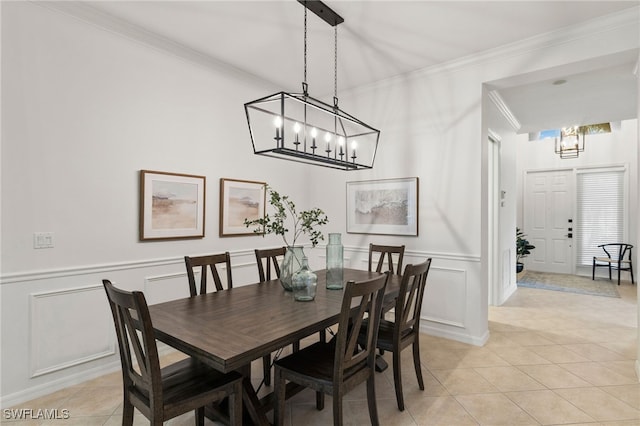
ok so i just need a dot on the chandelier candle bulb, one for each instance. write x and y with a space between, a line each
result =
296 130
278 123
314 133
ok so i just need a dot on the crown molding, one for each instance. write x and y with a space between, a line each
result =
497 100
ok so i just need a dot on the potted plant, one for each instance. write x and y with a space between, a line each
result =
523 249
286 216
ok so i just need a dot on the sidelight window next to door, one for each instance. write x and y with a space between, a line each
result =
600 209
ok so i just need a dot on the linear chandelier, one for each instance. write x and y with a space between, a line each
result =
298 127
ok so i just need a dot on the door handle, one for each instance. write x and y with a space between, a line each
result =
569 235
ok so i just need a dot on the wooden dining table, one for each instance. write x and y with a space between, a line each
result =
229 329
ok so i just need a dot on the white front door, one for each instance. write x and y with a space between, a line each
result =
548 220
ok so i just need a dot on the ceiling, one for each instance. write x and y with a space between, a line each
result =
382 39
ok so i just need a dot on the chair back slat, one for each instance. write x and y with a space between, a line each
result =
136 341
617 251
409 301
386 253
361 299
268 260
212 262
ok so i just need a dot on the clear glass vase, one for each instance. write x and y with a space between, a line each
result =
291 264
335 263
304 283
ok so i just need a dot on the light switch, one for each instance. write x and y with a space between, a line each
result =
42 240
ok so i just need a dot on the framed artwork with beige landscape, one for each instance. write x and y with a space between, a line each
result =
388 206
172 205
240 200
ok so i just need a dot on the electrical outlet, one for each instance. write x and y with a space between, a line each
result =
42 240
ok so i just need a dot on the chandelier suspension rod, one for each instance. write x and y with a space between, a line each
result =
304 82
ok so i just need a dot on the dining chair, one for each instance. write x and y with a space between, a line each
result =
268 259
404 330
212 261
158 393
388 253
338 366
615 259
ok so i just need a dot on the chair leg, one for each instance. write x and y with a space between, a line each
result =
337 409
127 412
279 392
397 380
631 272
618 274
416 363
266 369
371 400
593 270
199 416
319 401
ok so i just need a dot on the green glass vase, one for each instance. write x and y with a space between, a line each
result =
304 282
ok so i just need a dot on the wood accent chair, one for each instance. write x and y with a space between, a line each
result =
386 252
212 261
267 259
395 336
163 393
615 259
338 366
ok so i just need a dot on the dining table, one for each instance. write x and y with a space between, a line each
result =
229 329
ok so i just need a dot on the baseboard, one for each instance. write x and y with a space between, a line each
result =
452 335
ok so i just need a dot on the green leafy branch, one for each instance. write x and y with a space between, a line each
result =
304 222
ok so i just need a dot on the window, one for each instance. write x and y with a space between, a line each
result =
600 210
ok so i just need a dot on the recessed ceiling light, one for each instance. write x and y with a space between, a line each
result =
559 82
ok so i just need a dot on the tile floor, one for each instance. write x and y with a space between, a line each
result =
552 358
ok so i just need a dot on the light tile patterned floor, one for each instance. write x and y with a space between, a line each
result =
553 358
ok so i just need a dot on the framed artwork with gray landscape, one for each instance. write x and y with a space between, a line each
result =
240 200
171 205
388 206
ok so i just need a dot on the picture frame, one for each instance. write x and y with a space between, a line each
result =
240 199
386 207
172 205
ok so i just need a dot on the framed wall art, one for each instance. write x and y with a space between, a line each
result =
388 206
240 200
172 205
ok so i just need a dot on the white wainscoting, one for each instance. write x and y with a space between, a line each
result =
446 288
82 333
62 331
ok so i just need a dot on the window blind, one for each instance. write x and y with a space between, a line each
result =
600 210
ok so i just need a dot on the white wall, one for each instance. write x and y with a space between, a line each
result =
85 109
501 259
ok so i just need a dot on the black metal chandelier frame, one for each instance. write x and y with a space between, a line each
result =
346 151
